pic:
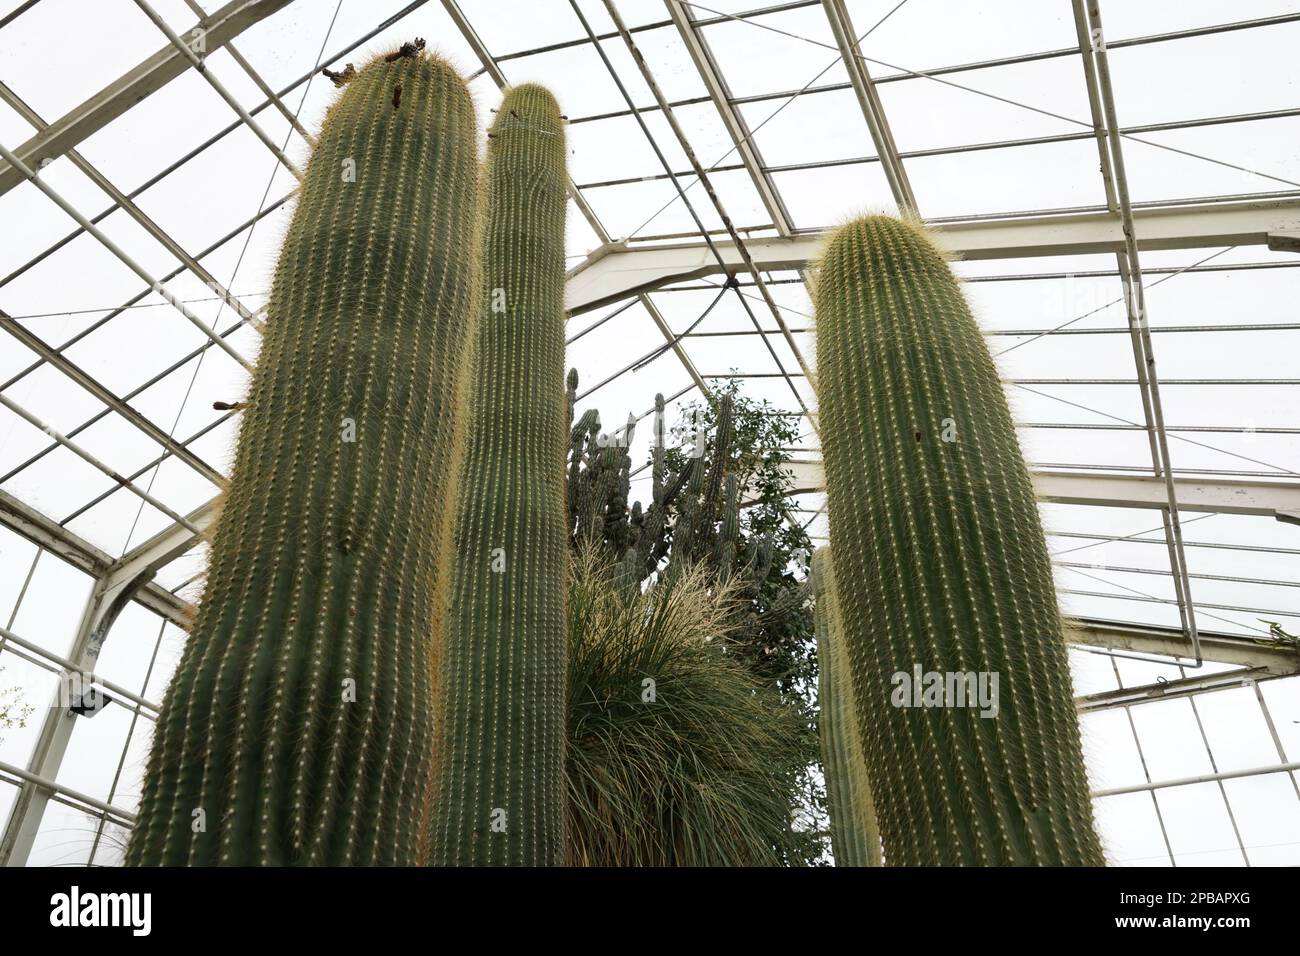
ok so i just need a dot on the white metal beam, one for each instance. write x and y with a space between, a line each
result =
71 547
1272 499
28 810
617 271
1202 778
1271 656
1101 93
873 111
1201 683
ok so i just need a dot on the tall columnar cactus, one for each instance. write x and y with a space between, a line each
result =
501 799
942 568
855 838
298 727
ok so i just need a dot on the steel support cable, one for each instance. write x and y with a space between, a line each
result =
598 323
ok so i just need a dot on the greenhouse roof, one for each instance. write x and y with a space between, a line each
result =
1113 189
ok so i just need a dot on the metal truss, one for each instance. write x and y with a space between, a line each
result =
1271 499
1101 99
622 269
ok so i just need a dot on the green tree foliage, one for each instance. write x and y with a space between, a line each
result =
13 710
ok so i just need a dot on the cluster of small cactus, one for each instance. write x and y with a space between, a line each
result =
694 513
941 566
855 838
298 728
501 796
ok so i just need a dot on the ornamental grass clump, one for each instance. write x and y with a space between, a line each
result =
678 754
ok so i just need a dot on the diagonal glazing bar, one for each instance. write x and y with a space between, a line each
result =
90 459
117 250
215 138
225 94
1093 47
872 109
125 203
142 80
735 124
103 394
261 84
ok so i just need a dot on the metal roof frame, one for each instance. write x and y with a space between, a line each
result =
625 270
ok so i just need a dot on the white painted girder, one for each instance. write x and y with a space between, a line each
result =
616 271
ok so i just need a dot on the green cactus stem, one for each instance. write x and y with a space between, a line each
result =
855 838
298 726
501 797
942 566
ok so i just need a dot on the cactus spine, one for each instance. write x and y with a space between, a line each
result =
297 729
855 838
502 794
942 565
